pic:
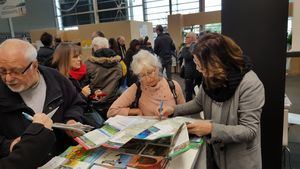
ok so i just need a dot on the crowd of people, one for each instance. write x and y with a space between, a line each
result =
54 84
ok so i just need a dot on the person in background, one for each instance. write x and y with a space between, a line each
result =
33 146
25 86
133 49
146 45
45 53
231 97
165 49
154 89
105 73
97 34
190 72
122 47
113 45
57 41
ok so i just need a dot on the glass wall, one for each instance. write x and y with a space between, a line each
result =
72 13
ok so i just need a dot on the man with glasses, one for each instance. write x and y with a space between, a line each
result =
27 87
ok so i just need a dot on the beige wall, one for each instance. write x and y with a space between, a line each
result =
36 34
177 22
137 26
129 29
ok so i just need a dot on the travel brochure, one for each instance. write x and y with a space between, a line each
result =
129 141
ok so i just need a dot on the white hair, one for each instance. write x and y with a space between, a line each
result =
192 35
144 59
99 43
29 50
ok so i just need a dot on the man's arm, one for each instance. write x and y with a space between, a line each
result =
5 146
34 146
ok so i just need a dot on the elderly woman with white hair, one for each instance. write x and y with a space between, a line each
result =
105 72
152 87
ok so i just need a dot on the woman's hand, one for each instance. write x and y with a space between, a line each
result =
86 90
98 95
200 127
135 112
166 111
42 119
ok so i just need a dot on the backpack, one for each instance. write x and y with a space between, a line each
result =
135 103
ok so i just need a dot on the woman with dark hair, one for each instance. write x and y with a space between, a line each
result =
113 44
231 97
146 45
133 49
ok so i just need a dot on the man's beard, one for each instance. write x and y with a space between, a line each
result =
16 89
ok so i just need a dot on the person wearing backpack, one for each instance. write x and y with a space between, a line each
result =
143 97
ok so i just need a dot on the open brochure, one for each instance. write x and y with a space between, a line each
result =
140 134
76 127
123 142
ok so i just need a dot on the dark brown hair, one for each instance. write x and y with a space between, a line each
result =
62 57
217 54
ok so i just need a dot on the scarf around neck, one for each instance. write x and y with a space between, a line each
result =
235 76
78 74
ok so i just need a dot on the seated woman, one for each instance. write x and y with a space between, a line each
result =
66 59
231 97
68 62
154 89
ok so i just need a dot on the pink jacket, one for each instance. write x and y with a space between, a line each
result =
149 101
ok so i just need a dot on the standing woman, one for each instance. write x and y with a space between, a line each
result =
231 97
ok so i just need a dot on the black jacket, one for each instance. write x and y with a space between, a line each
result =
29 153
60 93
44 56
164 47
190 70
131 77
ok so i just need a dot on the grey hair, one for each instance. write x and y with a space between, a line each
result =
192 35
30 52
99 43
144 59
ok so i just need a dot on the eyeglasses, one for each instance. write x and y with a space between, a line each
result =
15 72
147 74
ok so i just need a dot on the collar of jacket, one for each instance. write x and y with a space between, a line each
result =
53 93
12 101
102 60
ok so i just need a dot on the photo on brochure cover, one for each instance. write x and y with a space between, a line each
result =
156 150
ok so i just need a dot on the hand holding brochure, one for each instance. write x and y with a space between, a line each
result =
76 127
